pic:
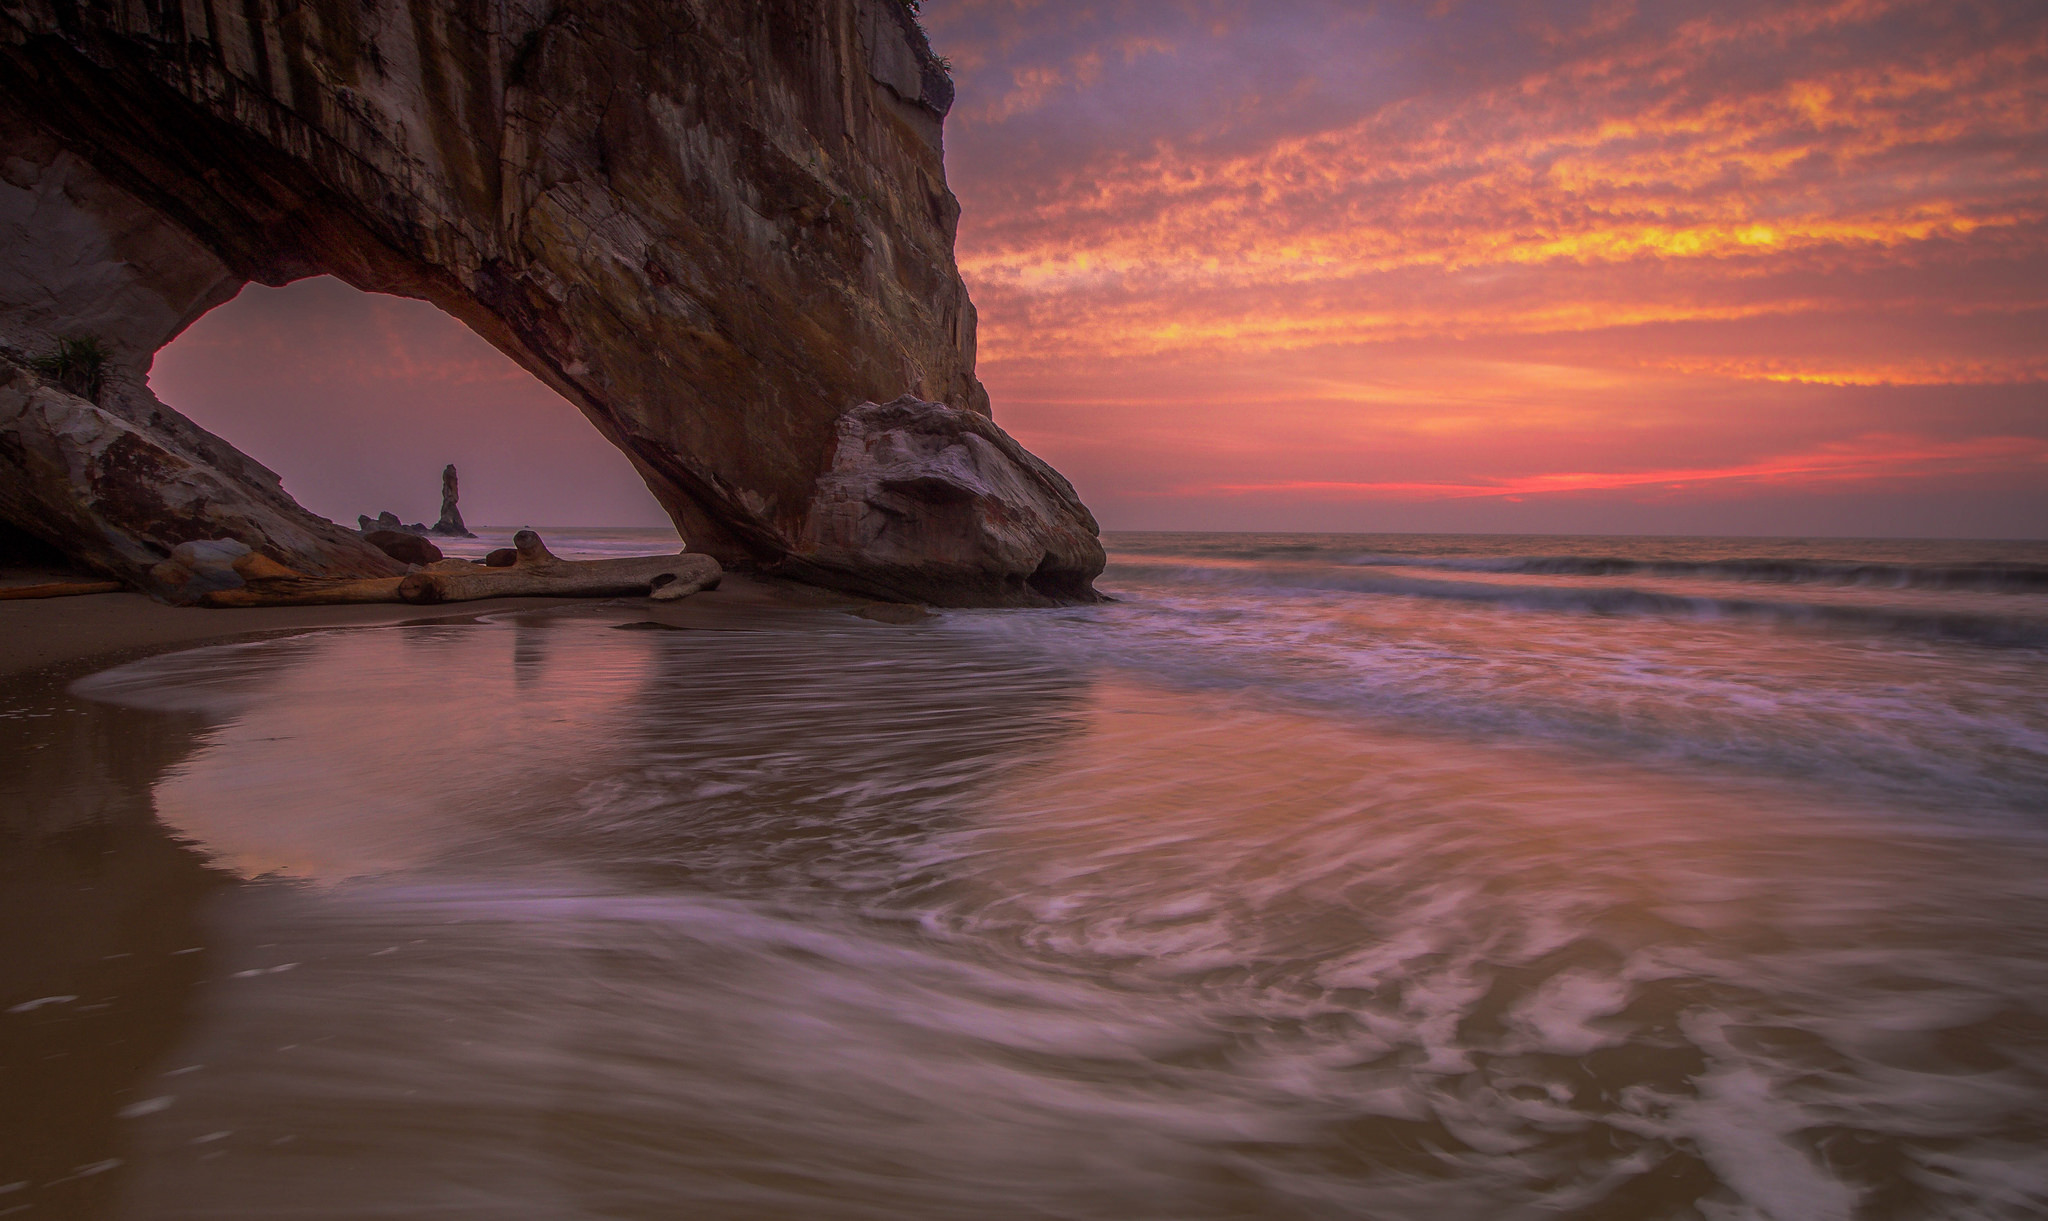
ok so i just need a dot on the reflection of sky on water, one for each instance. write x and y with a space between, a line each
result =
343 756
833 919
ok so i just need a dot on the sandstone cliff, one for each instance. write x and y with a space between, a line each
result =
720 228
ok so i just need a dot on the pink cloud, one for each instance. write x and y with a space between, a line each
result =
1864 459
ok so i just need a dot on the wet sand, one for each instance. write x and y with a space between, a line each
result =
1107 912
102 934
61 633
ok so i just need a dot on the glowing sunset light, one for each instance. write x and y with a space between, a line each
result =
1310 264
1871 458
1515 252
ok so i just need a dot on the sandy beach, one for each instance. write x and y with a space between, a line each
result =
1449 616
1316 876
99 897
77 634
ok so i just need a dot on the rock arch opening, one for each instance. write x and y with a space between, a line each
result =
722 231
357 400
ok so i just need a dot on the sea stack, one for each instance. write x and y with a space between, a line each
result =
450 525
721 231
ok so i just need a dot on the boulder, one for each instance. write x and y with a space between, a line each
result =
404 546
714 228
924 502
196 569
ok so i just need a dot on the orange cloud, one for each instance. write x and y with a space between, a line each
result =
2018 371
1867 458
1634 157
1475 252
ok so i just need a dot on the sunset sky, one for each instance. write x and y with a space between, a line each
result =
1537 266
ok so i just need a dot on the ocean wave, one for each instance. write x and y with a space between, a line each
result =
1918 564
785 908
1971 626
1877 717
1987 577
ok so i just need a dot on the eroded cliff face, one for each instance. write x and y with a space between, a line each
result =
720 228
115 478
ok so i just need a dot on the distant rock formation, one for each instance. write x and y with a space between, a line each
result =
450 524
389 523
718 229
386 521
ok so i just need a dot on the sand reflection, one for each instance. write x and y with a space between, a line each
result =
101 943
568 743
371 752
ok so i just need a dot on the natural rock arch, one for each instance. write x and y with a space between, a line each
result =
718 229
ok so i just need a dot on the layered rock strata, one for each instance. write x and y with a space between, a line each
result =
117 485
721 230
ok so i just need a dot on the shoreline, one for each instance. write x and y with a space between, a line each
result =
93 631
360 911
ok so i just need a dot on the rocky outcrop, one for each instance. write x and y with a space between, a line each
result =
386 522
116 480
117 486
449 524
198 568
922 497
721 230
405 546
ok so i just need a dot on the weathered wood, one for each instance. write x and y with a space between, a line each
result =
257 566
60 589
664 589
306 591
535 572
538 573
269 583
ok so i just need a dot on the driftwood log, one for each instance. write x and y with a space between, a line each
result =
300 590
534 572
59 589
538 573
269 583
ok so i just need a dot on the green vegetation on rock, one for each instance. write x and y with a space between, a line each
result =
79 365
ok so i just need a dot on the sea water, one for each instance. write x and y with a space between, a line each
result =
1314 876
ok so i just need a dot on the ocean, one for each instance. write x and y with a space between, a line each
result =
1313 876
